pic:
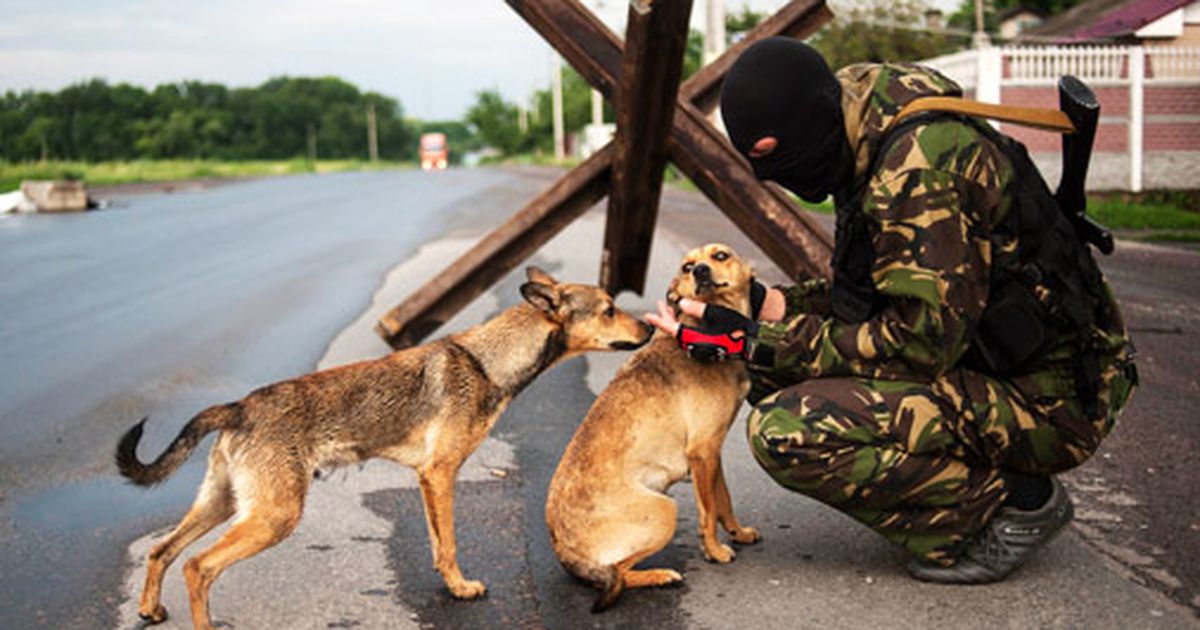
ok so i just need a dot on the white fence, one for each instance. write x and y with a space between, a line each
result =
1035 65
1167 63
987 70
1093 64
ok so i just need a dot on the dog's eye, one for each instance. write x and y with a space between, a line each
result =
687 267
721 256
610 311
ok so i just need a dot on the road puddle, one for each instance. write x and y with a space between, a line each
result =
106 502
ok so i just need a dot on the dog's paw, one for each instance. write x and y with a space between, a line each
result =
670 578
159 615
468 589
745 536
719 553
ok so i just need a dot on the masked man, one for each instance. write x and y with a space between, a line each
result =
967 350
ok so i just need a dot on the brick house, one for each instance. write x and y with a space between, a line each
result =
1141 57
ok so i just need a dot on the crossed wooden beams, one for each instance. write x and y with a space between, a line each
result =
657 120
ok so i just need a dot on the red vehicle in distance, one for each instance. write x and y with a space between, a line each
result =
434 153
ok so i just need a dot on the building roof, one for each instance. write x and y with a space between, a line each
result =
1012 12
1102 20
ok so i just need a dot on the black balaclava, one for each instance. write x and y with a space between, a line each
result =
781 87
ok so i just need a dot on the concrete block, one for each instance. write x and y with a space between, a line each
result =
56 195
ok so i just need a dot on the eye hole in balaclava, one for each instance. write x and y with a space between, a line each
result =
783 88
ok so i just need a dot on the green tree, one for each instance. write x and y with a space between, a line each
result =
93 120
37 137
577 112
964 16
880 30
495 122
740 22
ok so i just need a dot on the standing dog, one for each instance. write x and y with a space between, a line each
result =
427 407
663 416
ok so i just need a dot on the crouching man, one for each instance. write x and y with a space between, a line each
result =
968 349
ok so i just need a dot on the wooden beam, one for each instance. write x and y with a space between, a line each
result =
796 19
768 216
498 253
651 67
785 232
582 39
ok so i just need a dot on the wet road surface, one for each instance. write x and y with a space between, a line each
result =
157 308
169 303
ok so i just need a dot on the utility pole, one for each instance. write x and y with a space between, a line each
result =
312 146
980 39
597 108
560 149
597 98
372 136
714 30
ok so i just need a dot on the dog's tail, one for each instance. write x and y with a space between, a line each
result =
209 420
611 585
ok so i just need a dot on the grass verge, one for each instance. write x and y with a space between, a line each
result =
1132 215
141 171
1162 218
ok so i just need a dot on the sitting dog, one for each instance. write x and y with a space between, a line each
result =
427 407
663 416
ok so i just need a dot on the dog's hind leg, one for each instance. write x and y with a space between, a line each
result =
622 576
437 491
649 534
268 511
725 515
651 577
213 505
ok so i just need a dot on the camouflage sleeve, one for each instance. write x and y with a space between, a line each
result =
809 296
932 272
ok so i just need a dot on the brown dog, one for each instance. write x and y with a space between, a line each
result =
663 416
427 407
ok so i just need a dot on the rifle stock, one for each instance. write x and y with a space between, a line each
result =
1078 102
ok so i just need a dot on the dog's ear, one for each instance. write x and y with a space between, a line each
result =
545 297
536 274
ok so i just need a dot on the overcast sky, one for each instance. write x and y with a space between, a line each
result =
431 54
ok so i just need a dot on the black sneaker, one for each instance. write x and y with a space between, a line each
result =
1004 544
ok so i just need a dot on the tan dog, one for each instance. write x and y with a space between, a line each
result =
427 407
662 417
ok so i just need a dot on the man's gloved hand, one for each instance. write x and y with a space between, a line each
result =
725 333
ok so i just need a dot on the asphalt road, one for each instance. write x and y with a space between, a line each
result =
168 303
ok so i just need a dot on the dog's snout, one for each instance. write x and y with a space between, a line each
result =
647 330
702 272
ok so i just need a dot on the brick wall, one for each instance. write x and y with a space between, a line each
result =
1172 136
1172 99
1171 117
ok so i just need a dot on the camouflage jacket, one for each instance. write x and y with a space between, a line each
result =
932 197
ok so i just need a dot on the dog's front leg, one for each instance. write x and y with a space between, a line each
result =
704 463
437 491
725 515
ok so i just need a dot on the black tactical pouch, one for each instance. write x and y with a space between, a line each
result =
1011 334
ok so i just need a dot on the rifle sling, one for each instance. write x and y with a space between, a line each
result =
1045 119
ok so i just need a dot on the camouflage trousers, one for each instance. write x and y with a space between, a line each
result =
921 463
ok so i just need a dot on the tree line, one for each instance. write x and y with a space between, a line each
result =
290 117
868 32
285 117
